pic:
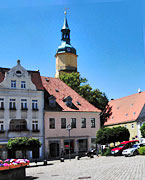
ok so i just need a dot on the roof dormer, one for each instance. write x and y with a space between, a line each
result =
68 101
52 101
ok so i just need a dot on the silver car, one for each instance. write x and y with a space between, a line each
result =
131 151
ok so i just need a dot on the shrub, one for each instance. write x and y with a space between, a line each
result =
107 152
141 150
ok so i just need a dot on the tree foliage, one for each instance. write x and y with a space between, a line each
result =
142 129
95 97
23 143
112 135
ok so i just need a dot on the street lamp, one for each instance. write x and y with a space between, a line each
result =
68 128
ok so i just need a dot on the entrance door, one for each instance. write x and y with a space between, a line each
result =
54 149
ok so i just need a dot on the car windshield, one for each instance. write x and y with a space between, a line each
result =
120 145
135 145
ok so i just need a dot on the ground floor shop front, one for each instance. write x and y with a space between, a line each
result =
60 147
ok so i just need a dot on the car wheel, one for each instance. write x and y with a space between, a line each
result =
135 153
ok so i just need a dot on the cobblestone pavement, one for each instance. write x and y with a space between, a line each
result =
97 168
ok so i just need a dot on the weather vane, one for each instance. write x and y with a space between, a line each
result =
65 12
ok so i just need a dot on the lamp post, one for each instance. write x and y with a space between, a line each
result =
68 128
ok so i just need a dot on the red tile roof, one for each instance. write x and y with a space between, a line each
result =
126 109
60 90
35 77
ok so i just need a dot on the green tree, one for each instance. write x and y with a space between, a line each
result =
112 135
142 129
95 97
24 144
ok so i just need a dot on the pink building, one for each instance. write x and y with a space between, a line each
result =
63 106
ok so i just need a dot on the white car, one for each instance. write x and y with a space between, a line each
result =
131 151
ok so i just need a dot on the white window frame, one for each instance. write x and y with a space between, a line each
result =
1 126
23 84
12 103
93 122
1 103
35 125
23 104
34 104
13 84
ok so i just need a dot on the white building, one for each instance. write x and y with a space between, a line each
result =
21 107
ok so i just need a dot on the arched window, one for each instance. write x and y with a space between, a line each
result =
18 125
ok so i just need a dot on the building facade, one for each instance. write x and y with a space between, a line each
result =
63 107
129 112
21 107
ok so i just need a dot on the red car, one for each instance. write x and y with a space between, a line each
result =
124 145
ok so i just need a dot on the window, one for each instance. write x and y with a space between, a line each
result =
125 126
1 126
23 84
1 103
52 123
13 83
34 125
12 104
18 125
83 122
52 101
24 104
63 123
73 122
92 122
35 104
68 101
132 126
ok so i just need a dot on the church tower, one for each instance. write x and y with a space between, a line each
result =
66 57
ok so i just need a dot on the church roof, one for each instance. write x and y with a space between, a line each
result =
60 91
126 109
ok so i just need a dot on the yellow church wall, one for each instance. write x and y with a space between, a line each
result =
131 126
66 59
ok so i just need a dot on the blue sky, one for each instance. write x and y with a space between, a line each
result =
107 34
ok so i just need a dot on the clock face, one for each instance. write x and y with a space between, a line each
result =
68 49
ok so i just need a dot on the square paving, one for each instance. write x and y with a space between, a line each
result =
97 168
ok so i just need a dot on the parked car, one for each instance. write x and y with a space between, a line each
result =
132 151
122 146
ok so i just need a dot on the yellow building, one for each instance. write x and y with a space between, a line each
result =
129 112
66 57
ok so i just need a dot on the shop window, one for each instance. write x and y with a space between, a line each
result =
73 122
1 103
34 104
12 104
83 122
92 122
23 104
52 123
23 84
13 83
18 125
63 123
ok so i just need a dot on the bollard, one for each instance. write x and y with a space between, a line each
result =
45 162
61 159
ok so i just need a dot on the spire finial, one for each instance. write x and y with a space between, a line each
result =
18 61
65 13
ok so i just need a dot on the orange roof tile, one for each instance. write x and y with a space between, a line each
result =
126 109
60 90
